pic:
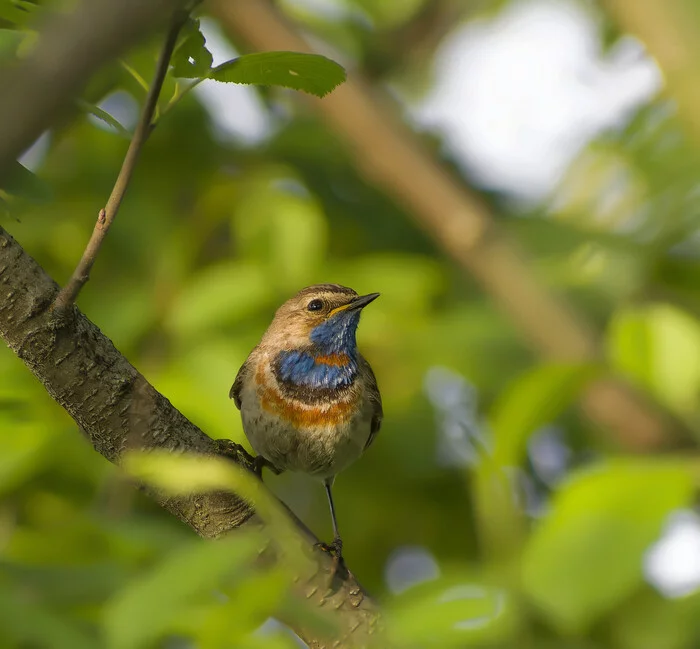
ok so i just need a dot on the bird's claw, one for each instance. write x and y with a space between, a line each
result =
335 549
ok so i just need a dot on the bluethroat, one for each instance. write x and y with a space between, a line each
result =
308 399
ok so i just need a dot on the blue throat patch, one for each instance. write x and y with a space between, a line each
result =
334 336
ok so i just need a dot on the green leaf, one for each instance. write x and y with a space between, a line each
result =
152 605
311 73
649 621
535 399
10 40
102 115
191 58
18 13
21 182
201 305
26 623
658 346
586 556
454 611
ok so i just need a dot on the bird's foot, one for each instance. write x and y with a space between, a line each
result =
228 448
335 549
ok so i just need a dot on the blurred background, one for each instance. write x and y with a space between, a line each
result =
492 510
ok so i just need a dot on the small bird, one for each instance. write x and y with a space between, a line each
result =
308 399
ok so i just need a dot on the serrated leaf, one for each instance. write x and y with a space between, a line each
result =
310 73
19 181
102 115
192 59
586 556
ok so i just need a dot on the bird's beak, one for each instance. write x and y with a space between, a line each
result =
356 303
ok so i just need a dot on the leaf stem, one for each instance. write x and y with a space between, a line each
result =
105 218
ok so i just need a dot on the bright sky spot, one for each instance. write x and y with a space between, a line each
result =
236 111
518 95
672 565
408 566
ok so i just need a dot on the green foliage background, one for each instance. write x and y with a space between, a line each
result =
212 237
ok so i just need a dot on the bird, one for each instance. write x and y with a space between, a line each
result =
308 399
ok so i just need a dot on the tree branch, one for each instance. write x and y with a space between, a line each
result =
118 410
392 157
105 218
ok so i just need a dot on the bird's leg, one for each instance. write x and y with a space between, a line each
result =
335 548
228 448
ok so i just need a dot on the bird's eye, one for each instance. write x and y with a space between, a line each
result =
315 305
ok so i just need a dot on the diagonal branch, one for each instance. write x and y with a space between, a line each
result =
105 218
389 155
118 410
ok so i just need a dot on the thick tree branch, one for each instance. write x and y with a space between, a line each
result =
72 47
105 218
118 410
392 157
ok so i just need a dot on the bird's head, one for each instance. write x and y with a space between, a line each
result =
324 316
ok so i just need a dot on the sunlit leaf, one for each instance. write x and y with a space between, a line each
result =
658 346
311 73
586 555
180 474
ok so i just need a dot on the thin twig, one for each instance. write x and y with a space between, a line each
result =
81 274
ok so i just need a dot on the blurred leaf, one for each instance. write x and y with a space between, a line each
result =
180 474
22 452
533 400
103 115
311 73
191 59
659 347
249 602
650 621
586 555
278 222
21 182
150 606
10 40
450 612
16 11
219 295
28 624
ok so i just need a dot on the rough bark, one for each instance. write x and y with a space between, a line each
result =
117 409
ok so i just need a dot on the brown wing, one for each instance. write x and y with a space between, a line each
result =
235 391
375 400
